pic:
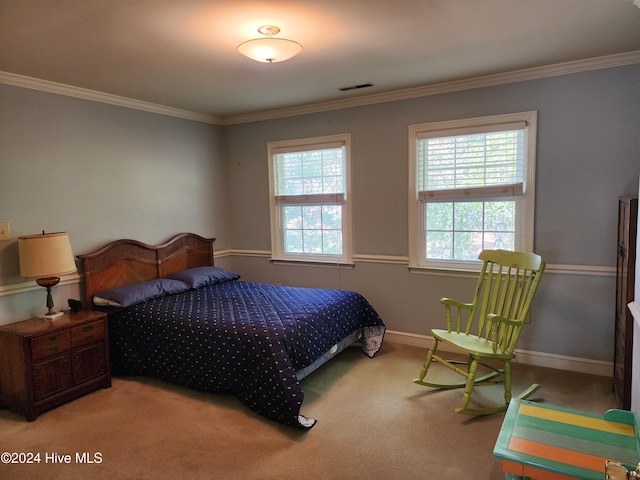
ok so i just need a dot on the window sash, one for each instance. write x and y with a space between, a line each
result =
323 173
474 193
466 162
318 175
519 188
308 147
465 227
312 232
319 199
471 130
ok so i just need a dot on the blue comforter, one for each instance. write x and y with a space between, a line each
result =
243 338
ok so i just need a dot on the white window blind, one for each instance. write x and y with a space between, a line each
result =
310 175
488 163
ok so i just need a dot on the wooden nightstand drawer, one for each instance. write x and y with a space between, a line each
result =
44 364
50 344
87 333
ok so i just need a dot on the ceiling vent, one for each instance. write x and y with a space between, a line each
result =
356 87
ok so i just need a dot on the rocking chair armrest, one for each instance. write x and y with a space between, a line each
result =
450 302
496 320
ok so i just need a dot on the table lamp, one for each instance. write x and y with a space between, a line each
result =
43 257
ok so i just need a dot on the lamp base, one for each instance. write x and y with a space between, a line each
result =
49 282
51 316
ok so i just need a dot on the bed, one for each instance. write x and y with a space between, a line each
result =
176 316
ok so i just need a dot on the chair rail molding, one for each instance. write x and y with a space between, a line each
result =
31 285
564 269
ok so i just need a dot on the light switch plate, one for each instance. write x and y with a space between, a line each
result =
5 233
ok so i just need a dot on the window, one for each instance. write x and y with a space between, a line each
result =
471 188
310 200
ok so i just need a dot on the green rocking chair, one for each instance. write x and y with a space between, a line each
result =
506 286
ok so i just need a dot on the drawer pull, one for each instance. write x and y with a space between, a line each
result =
53 349
87 328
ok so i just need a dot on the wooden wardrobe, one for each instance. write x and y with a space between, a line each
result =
625 281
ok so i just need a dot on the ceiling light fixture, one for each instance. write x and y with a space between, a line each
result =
269 49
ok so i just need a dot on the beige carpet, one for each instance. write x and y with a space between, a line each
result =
373 423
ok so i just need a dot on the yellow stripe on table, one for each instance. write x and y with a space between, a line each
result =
577 420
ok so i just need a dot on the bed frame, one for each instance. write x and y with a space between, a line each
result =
123 262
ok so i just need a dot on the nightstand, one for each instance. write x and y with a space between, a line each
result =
44 364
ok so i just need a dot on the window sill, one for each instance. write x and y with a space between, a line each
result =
311 263
460 269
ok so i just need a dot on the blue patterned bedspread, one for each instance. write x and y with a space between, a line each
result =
243 338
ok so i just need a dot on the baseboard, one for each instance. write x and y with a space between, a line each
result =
539 359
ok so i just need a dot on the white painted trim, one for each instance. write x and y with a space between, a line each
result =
247 253
101 97
608 61
590 270
634 308
369 258
526 357
276 210
525 121
31 285
586 270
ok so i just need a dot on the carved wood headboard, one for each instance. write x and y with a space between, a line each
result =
123 262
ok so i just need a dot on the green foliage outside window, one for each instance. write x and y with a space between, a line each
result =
460 230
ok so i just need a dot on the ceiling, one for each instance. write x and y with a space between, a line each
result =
183 53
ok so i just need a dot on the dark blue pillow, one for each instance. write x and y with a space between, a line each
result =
201 276
128 295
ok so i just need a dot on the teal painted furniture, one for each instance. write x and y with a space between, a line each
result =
543 442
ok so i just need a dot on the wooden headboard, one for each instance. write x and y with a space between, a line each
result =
123 262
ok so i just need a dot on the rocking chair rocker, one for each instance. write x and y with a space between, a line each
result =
506 286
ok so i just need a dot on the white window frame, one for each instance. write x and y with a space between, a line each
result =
277 232
525 204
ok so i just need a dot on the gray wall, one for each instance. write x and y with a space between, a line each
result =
588 154
102 172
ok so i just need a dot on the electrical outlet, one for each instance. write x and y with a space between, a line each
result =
5 233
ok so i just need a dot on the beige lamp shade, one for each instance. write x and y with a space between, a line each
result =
45 254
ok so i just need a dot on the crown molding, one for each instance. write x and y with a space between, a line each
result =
534 73
577 66
101 97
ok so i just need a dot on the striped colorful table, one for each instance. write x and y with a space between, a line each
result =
551 443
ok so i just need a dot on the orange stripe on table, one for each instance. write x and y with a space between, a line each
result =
577 420
556 454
